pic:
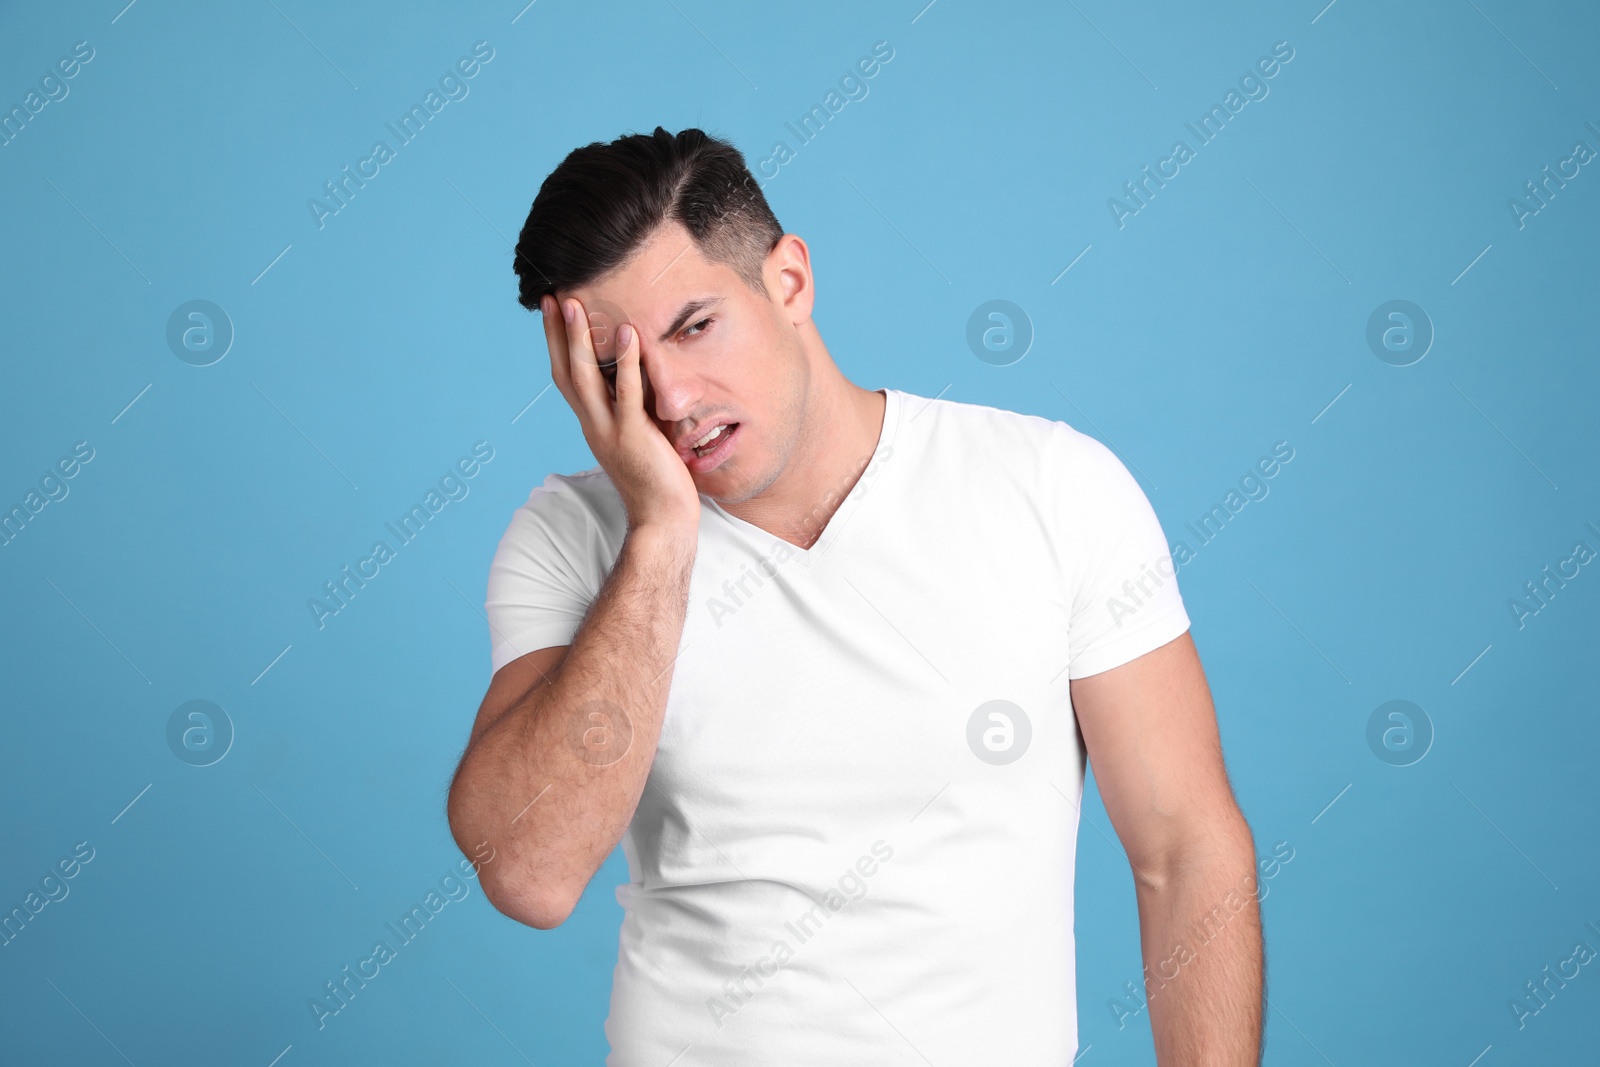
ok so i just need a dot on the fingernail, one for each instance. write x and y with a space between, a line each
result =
568 310
624 335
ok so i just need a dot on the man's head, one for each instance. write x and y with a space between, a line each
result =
673 235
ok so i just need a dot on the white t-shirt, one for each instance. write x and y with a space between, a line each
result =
846 852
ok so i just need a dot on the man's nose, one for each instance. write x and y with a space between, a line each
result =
667 392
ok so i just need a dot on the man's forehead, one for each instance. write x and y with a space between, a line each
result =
660 304
657 275
652 310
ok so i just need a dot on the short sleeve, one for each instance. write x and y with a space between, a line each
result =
1124 581
541 581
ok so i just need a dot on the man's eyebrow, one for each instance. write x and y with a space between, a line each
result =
689 310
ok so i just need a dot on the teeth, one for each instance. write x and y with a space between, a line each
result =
708 437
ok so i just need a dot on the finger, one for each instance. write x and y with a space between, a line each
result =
587 381
555 338
630 389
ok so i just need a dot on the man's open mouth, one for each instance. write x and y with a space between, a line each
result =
715 434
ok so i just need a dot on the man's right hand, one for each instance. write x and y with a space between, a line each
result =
652 479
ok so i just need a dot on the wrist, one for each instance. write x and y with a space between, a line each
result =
663 534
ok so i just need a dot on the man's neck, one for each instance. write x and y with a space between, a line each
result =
836 443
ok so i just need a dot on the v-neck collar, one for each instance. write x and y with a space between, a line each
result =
847 507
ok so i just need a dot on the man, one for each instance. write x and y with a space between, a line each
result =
819 658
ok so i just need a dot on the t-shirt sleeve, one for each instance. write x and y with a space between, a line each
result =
541 581
1124 584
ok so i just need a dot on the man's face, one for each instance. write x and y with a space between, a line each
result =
711 351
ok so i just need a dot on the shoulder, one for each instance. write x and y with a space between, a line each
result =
589 488
570 507
1013 439
980 428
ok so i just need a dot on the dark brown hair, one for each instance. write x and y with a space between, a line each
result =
604 200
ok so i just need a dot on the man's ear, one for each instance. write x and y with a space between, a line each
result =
790 265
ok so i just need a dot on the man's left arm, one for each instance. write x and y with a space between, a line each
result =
1150 731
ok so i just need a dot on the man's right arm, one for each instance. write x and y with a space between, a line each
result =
565 737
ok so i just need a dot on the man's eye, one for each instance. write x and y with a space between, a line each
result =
703 322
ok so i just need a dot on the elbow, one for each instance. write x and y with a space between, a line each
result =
542 920
546 918
513 889
512 892
540 910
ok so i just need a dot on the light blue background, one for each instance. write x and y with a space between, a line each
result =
1227 315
